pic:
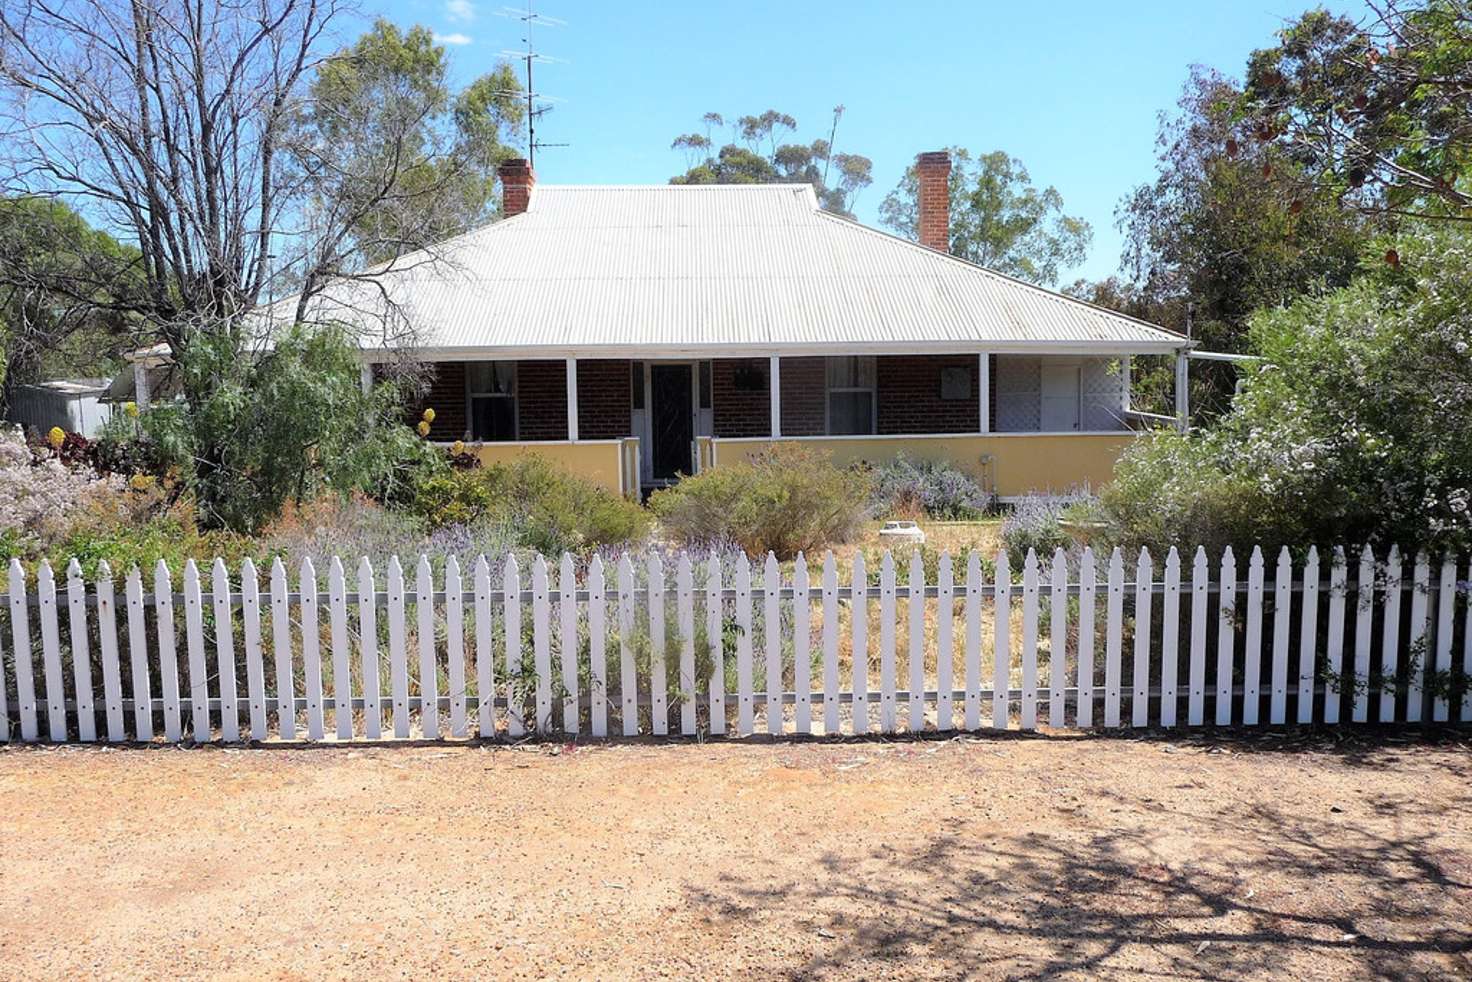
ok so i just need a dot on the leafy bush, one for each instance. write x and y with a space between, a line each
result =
787 500
1036 523
938 488
543 507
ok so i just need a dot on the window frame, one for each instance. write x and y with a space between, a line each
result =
873 391
471 395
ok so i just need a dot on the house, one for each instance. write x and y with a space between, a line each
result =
636 334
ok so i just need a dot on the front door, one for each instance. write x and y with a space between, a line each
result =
1060 398
672 423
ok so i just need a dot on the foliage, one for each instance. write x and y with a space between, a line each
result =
1378 110
998 218
1036 522
940 489
39 493
760 159
786 500
1342 435
539 505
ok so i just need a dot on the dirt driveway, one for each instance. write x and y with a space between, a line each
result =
989 857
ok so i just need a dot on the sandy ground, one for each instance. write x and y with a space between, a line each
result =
992 857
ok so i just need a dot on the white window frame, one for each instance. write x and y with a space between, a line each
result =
471 395
873 391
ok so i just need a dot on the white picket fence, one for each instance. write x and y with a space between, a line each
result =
1307 643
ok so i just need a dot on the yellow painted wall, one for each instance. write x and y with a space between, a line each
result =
598 460
1018 463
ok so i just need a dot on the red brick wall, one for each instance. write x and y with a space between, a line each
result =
933 171
737 412
909 395
604 400
804 386
541 400
446 396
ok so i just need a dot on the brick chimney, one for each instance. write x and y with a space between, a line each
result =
517 179
933 170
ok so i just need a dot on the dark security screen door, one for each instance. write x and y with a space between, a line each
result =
672 419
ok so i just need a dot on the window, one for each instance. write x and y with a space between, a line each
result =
851 395
491 387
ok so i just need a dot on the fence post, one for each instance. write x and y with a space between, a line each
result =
745 711
138 658
1416 664
685 616
429 676
973 641
886 644
628 680
455 645
311 650
542 644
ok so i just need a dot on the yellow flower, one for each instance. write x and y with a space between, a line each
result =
140 482
429 415
130 409
457 448
56 437
423 427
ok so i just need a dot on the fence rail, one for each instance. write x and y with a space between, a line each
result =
712 646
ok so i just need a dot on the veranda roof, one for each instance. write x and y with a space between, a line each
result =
669 270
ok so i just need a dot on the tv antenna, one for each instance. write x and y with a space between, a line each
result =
537 104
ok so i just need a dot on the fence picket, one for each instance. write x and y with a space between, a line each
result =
567 609
1113 640
1058 639
1467 653
745 695
659 711
5 733
281 647
1226 637
398 654
199 694
1030 641
311 650
1334 639
859 642
1282 608
168 658
628 681
542 644
886 644
342 692
1170 628
1084 710
1365 612
685 617
20 634
485 654
1416 662
1002 644
225 652
138 658
255 671
455 646
429 675
945 611
1252 646
511 621
77 637
1308 636
772 636
1200 584
597 651
107 634
802 647
1140 672
51 653
915 608
715 632
1445 600
830 645
972 670
368 651
1390 636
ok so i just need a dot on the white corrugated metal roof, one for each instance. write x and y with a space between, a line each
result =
744 268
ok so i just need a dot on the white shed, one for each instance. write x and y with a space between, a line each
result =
75 405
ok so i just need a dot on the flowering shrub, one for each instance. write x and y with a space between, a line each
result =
939 489
1036 522
39 494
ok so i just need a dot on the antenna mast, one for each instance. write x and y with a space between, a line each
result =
536 104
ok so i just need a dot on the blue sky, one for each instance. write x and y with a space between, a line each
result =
1071 88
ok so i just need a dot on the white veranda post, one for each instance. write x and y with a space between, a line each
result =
775 386
1183 391
572 400
984 393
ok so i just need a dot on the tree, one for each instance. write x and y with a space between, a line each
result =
760 158
998 218
1379 112
189 130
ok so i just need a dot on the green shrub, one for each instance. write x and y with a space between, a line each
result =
544 507
1036 523
787 500
940 489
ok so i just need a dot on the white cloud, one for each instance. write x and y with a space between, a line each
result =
460 11
456 39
